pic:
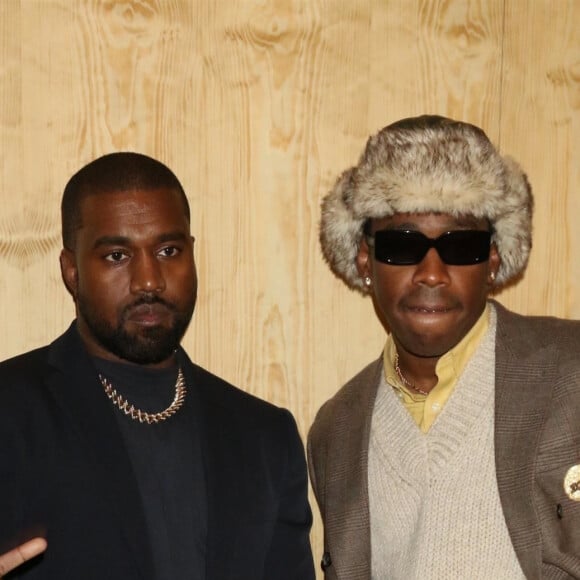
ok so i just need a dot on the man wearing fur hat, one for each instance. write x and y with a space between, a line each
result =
456 454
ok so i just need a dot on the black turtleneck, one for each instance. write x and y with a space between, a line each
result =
167 461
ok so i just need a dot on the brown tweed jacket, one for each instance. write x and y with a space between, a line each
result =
537 439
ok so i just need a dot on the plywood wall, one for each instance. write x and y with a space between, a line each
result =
257 105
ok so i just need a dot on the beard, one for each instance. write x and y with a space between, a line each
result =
150 345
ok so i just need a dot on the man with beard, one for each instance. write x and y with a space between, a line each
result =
125 458
456 454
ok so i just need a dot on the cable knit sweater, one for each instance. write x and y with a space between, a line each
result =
434 504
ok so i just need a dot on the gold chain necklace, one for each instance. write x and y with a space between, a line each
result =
404 380
142 416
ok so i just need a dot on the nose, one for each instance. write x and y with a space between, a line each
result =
146 274
431 271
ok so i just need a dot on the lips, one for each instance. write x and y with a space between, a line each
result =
148 314
429 308
429 303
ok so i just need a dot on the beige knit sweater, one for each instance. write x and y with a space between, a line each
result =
434 503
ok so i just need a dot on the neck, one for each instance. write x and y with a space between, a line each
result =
418 372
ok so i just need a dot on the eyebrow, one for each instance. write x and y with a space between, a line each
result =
105 241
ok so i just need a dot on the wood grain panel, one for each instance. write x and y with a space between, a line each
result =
257 105
540 127
432 56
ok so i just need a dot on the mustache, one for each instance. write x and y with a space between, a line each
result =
428 293
147 300
429 296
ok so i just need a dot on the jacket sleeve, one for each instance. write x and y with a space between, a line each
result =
316 447
290 554
17 473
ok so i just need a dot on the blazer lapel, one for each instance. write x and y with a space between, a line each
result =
347 535
524 377
223 458
78 393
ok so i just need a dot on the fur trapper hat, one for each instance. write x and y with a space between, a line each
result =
428 164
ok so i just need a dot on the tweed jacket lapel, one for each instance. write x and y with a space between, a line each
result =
79 395
524 377
345 489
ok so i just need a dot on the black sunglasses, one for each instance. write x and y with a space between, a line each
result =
408 247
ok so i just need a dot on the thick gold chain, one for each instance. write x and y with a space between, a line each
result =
142 416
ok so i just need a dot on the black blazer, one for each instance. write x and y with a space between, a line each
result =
65 474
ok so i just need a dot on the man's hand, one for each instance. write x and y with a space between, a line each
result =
21 554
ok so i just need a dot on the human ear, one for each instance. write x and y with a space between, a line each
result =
69 271
494 263
362 259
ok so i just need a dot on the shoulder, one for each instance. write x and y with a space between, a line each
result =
356 391
235 405
351 404
31 368
229 394
25 369
540 344
24 400
517 331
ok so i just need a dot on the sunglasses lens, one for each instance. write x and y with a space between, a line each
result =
464 247
400 248
406 248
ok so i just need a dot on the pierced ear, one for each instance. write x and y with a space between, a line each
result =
362 259
494 264
69 271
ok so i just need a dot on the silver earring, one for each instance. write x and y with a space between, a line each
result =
492 276
367 281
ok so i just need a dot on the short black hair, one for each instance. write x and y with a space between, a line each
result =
115 172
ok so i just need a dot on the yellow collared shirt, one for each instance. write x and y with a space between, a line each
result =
425 409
